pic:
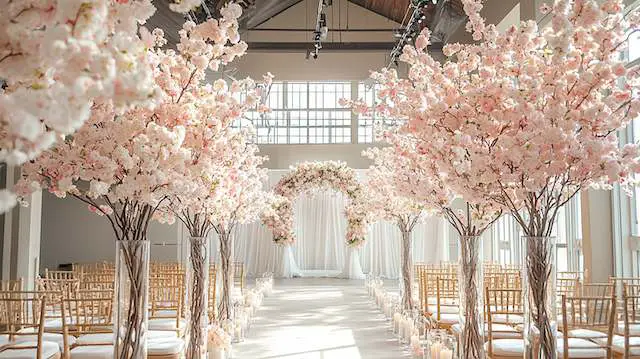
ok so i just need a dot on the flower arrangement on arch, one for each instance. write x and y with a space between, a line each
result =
324 175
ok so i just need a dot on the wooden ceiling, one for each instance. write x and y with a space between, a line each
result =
392 9
257 12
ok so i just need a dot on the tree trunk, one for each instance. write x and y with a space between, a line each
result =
406 283
225 309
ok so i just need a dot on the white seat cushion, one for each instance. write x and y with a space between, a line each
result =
507 347
448 309
159 334
586 334
95 339
167 313
447 301
617 344
507 318
49 350
448 318
582 348
92 352
165 346
166 324
48 337
500 331
634 329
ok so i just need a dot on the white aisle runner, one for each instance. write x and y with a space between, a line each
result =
319 318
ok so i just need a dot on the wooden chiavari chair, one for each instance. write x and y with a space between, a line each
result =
97 285
67 287
239 276
166 308
596 289
447 301
429 287
89 317
22 324
98 277
587 326
59 274
212 306
503 340
568 287
619 282
11 285
626 342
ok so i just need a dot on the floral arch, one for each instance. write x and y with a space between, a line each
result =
308 175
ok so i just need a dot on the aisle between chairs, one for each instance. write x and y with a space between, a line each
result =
319 318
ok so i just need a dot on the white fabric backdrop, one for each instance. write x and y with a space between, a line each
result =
320 249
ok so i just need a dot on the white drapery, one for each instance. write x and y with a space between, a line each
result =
320 249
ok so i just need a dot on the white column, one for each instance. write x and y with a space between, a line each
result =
597 235
28 248
21 237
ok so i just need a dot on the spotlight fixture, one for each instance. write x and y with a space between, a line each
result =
412 29
321 31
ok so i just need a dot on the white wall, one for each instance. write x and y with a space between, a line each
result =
597 233
70 233
284 156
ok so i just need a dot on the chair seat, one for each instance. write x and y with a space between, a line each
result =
500 331
164 313
160 334
448 318
634 329
49 351
92 352
617 344
506 347
166 324
586 334
95 339
446 301
446 309
165 346
582 348
48 337
56 324
507 318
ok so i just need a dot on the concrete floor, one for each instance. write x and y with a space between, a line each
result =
319 318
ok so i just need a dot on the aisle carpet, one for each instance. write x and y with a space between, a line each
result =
319 318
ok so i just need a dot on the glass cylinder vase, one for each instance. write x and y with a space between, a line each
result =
131 292
539 291
197 294
406 271
470 296
225 308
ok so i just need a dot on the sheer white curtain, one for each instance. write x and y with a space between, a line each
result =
320 249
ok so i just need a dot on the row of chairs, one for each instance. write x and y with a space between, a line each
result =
594 321
70 313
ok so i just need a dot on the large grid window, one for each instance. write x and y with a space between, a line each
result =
506 234
305 112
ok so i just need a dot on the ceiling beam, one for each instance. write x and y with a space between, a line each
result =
264 11
327 46
366 4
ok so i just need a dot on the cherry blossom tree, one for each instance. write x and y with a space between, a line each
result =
385 201
125 165
241 200
423 173
122 167
532 117
207 111
60 57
